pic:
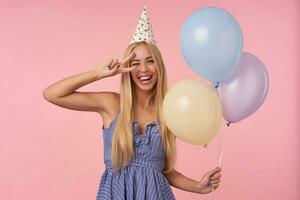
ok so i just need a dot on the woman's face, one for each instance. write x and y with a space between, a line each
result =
145 74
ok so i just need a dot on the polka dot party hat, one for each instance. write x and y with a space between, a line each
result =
143 31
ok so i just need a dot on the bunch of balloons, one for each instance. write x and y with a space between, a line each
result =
211 43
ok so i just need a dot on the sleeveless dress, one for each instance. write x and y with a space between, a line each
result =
142 179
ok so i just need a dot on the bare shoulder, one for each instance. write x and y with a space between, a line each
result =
106 103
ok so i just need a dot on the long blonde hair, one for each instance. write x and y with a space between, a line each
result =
122 151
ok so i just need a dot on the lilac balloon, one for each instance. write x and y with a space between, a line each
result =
245 90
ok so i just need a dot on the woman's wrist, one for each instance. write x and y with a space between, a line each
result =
97 75
198 188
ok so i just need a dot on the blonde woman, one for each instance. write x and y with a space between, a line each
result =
139 150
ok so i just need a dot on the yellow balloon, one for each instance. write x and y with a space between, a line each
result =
192 111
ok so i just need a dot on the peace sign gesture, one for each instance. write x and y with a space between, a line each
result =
113 66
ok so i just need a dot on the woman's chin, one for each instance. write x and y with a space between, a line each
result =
146 87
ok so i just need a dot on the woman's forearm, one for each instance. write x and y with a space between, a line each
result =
182 182
70 84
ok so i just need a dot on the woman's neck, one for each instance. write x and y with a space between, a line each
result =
143 100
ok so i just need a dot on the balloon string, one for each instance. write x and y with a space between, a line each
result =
219 161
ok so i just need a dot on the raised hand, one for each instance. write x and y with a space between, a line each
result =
113 66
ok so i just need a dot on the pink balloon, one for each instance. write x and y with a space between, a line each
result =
245 90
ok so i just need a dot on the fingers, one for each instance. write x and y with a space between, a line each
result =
215 176
128 69
212 172
214 181
109 62
213 184
114 64
115 68
130 56
124 68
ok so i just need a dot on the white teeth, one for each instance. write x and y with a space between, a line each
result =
144 77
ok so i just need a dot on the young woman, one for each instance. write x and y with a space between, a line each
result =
139 150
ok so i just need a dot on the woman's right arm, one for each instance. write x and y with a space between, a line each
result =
63 93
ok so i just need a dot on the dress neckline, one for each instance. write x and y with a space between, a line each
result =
148 124
136 126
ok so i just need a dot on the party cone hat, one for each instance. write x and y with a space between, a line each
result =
143 31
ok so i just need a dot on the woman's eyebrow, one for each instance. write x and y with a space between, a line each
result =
139 60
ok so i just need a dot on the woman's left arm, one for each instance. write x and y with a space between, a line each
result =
182 182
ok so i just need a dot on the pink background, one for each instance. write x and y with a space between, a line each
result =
48 152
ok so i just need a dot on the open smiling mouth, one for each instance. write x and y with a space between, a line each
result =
145 79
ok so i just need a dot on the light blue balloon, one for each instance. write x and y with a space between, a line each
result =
211 43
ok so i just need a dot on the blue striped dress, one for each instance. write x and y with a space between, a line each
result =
142 179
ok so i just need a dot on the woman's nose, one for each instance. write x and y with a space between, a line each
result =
143 67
